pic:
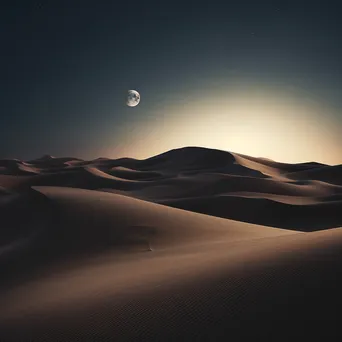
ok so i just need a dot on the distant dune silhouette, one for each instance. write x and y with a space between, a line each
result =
192 244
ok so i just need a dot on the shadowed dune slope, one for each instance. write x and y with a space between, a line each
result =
190 245
201 180
63 223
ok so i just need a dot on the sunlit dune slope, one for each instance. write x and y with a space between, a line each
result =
229 185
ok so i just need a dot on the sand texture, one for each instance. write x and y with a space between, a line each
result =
191 245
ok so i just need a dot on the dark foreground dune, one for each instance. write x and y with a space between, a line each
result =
193 244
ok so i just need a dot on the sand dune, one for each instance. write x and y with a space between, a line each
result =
192 244
329 174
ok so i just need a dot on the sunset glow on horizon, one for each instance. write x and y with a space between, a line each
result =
261 122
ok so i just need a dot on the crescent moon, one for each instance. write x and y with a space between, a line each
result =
133 98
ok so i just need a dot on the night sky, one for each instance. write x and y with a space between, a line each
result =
253 77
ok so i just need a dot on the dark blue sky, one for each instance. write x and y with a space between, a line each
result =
66 67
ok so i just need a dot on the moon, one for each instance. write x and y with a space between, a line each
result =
133 98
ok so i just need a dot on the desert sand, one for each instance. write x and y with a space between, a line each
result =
193 244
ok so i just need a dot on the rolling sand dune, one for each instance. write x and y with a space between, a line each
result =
193 244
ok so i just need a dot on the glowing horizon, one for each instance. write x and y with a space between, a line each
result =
263 123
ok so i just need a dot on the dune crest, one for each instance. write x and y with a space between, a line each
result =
292 196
